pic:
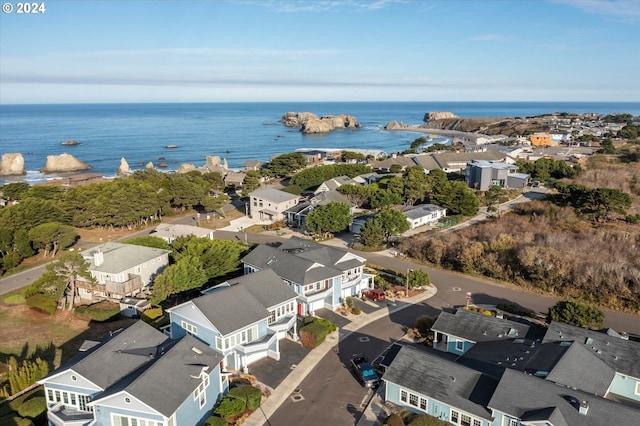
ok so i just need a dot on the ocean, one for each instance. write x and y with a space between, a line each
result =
234 131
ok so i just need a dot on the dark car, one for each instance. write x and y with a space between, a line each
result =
374 294
364 371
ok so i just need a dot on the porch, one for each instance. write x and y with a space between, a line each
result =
62 415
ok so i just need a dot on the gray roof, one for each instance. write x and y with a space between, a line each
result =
231 308
415 212
580 368
273 195
445 158
167 383
267 287
119 257
327 197
621 355
287 265
477 327
175 230
119 356
401 160
443 380
528 397
426 161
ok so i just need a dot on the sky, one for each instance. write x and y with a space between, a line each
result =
270 50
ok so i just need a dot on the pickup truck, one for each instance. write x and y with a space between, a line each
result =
364 371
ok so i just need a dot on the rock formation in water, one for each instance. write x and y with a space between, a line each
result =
186 168
12 164
438 116
64 163
149 166
396 125
124 167
310 123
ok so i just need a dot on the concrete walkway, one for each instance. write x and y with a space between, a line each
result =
293 380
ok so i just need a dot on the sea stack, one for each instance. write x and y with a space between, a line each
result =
12 164
438 116
64 163
310 123
124 168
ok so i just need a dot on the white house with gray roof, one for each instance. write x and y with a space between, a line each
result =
270 204
243 319
322 276
171 231
423 214
137 376
120 270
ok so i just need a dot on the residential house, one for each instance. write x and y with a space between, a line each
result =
133 307
385 165
321 276
482 175
335 183
170 231
542 139
243 319
234 179
252 165
428 384
297 214
270 204
120 270
357 223
423 214
457 161
136 376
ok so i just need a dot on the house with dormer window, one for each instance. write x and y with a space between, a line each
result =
322 276
137 376
243 319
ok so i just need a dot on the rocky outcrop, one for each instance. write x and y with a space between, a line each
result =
124 167
397 125
310 123
63 163
438 116
185 168
149 166
12 164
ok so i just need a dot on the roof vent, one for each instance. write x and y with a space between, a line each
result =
584 407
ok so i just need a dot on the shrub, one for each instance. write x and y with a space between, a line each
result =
216 421
100 311
249 394
312 335
42 302
356 311
16 421
33 407
394 420
426 420
230 407
331 327
15 299
152 314
349 302
423 324
576 314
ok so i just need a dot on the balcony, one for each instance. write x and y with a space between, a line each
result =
259 345
61 415
314 295
126 288
283 324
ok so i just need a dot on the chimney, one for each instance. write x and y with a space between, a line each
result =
584 408
98 257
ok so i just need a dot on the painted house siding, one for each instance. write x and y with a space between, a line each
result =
203 332
458 346
625 386
103 415
190 413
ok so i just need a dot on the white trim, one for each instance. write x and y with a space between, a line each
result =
637 390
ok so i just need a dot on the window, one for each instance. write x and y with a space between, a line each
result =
465 420
637 388
218 343
189 328
72 399
413 400
511 422
118 420
423 404
454 417
459 345
403 396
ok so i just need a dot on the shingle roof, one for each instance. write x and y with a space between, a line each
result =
231 308
621 355
288 266
266 286
273 195
118 356
580 368
167 383
525 396
415 212
476 327
120 257
442 380
174 230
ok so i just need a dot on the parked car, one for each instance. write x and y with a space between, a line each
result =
374 294
364 371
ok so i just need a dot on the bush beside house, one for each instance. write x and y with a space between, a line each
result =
314 331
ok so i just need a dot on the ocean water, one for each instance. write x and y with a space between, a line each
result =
234 131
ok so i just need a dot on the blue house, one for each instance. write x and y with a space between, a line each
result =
459 332
320 275
427 383
137 376
243 319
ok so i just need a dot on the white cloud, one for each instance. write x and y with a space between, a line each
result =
625 10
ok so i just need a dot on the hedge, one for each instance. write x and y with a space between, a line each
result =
312 335
230 407
33 407
249 394
42 302
216 421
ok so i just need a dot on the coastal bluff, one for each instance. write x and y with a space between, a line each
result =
308 122
63 163
12 164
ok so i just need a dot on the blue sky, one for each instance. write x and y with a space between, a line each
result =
269 50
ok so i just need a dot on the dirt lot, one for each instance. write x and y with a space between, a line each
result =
24 330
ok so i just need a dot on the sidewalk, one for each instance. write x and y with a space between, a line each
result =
293 380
